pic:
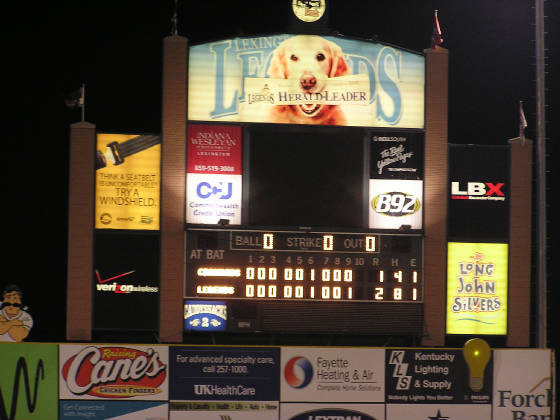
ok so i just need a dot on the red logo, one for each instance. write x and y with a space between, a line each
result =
478 191
114 372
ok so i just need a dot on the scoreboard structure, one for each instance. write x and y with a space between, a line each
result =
310 281
304 198
298 232
279 224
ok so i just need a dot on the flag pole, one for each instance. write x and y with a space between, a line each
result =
174 19
83 101
522 123
542 311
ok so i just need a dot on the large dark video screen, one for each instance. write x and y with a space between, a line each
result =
305 177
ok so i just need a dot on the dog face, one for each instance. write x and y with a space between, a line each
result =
308 61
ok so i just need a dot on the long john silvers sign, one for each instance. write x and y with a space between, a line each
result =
306 79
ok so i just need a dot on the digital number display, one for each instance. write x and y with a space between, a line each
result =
316 266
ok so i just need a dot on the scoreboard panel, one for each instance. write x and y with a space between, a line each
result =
305 275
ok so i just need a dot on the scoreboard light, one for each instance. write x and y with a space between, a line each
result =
370 243
268 241
214 290
328 242
218 272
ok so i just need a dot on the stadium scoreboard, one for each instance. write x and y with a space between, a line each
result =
306 275
299 228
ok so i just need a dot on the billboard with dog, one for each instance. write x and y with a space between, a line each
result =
306 79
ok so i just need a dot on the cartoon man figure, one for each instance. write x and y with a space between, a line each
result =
15 322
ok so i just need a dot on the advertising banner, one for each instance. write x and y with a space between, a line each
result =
28 381
205 315
439 412
127 182
332 375
125 382
214 174
223 410
397 155
224 374
395 204
432 376
113 410
479 183
212 197
126 281
523 384
214 149
306 79
311 411
477 285
113 372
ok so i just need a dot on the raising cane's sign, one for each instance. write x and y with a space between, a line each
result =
113 372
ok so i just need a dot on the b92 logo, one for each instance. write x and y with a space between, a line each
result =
395 204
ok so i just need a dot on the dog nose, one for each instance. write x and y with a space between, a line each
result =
307 81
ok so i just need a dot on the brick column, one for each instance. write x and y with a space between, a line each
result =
174 129
435 196
519 290
80 232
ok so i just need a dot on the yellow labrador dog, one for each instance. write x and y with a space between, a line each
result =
309 61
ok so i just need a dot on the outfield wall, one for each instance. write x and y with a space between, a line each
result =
133 381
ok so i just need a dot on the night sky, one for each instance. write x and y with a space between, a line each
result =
115 49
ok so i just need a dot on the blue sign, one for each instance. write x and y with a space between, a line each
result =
228 373
203 315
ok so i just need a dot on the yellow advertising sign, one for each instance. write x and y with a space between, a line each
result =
127 182
477 284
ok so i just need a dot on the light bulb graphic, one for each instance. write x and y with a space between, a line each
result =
477 354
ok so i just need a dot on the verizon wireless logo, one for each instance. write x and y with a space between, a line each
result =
103 285
477 191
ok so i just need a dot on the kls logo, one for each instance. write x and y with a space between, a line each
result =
205 190
478 191
395 204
